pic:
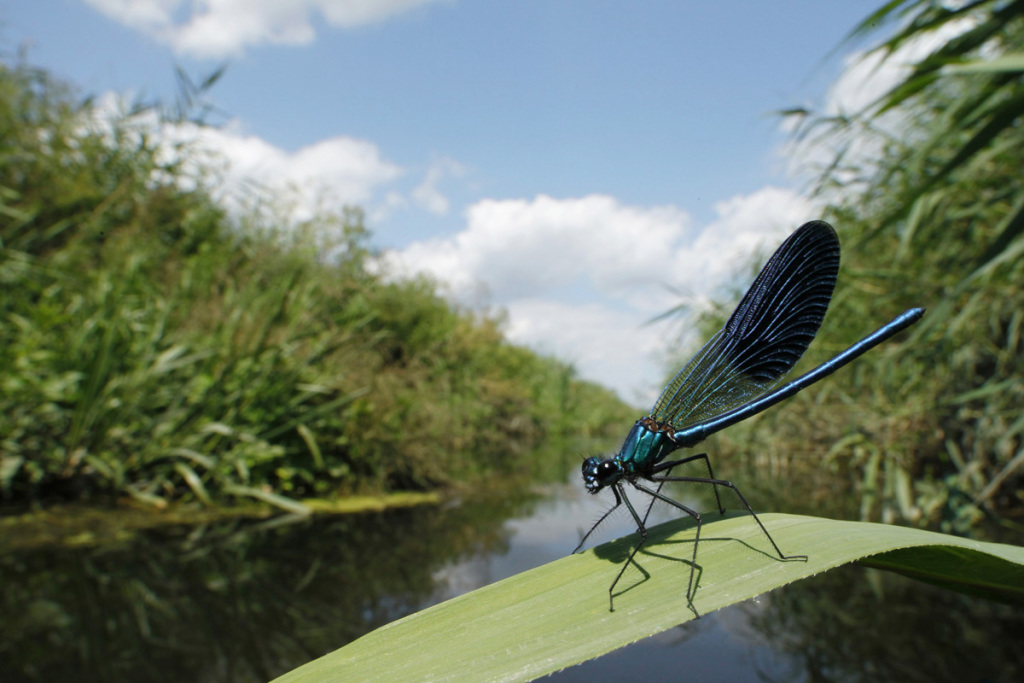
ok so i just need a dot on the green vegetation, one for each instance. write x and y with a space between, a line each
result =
928 197
153 346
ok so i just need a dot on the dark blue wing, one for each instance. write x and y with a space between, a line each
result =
766 334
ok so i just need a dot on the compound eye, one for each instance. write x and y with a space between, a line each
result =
606 470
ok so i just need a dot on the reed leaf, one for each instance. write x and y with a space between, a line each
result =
557 615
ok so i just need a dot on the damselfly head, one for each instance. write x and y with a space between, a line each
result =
599 473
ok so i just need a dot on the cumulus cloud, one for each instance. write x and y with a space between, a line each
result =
523 248
867 75
220 28
603 343
745 225
327 175
579 276
346 169
546 246
427 194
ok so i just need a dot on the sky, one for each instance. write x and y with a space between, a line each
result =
578 166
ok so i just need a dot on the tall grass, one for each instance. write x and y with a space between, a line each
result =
154 347
929 425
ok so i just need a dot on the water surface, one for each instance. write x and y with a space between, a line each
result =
247 601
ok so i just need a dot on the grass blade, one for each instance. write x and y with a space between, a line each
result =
560 610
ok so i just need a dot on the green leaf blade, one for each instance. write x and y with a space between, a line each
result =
557 615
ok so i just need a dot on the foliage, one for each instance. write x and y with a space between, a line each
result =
154 346
927 195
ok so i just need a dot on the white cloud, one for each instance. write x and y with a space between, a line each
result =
580 276
147 15
521 248
427 195
604 344
746 225
867 75
219 28
327 175
544 247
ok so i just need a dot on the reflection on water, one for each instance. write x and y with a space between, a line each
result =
244 601
234 601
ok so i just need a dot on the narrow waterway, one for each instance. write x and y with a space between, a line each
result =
247 601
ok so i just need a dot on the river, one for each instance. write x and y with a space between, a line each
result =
243 600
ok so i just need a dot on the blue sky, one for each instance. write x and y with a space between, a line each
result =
568 162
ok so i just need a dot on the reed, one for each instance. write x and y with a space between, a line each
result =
154 347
